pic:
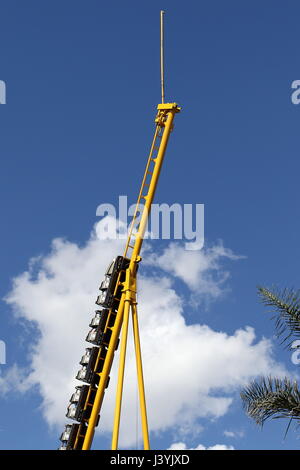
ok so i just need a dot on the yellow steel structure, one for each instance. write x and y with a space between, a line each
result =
164 121
128 302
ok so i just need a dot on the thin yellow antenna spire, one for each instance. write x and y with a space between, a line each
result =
162 56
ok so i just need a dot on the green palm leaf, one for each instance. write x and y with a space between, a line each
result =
287 304
271 398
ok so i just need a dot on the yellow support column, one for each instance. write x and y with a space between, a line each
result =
130 292
140 377
115 435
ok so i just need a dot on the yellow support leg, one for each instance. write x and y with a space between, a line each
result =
115 435
140 377
130 303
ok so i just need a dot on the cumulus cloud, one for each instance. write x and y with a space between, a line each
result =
234 434
183 446
202 271
13 379
191 371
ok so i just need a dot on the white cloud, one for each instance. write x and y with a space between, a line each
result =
201 270
183 446
234 434
13 379
191 371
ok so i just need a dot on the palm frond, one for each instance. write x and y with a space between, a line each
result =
270 397
287 304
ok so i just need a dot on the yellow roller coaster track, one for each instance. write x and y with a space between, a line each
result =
117 300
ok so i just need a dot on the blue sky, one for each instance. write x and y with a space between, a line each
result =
82 88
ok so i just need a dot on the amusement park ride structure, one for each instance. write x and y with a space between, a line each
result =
117 301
